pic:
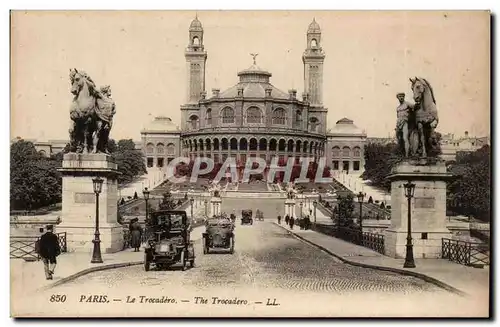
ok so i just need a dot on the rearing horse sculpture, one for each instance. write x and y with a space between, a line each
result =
426 114
91 112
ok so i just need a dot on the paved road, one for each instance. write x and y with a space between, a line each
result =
268 263
271 208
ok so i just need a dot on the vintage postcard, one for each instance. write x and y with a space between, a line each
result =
250 164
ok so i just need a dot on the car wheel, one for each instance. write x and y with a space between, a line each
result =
231 250
183 260
147 264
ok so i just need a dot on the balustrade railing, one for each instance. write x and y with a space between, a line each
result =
252 129
465 253
24 247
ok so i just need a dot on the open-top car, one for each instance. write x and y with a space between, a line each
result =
246 217
169 241
219 234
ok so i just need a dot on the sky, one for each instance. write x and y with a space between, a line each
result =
370 57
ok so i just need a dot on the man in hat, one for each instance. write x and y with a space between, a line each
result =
49 250
403 114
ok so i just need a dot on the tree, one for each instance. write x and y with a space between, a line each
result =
469 193
345 210
35 181
167 203
379 160
130 161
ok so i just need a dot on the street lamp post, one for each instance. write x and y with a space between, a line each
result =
409 260
315 203
146 192
96 254
360 200
206 208
192 202
301 212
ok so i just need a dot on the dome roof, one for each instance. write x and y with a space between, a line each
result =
254 69
161 124
345 126
254 90
314 27
196 25
254 81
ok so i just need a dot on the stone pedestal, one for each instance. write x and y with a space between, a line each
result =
290 208
215 206
79 203
428 210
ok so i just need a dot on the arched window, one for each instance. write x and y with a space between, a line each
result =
170 149
196 41
160 148
313 124
279 116
193 121
346 151
298 116
209 116
356 152
253 144
314 43
227 115
150 148
254 115
336 152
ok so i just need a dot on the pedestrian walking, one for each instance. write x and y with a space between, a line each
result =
136 234
49 249
287 219
307 223
279 220
292 221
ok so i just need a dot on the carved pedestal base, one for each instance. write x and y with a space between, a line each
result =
215 206
79 203
290 208
428 210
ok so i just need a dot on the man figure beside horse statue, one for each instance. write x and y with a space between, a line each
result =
91 113
416 123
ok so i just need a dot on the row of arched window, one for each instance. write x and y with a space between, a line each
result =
160 149
346 152
253 144
253 115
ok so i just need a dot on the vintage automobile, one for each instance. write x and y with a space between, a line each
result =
246 217
169 241
219 234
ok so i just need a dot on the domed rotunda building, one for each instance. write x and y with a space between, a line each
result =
252 118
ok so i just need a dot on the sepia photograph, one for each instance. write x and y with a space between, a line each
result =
250 163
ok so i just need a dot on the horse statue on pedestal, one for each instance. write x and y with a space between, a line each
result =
426 115
91 113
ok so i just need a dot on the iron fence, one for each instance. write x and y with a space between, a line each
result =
373 241
465 253
24 247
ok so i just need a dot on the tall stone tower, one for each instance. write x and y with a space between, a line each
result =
196 59
313 59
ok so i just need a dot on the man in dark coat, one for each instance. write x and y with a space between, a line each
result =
279 220
292 221
287 219
49 250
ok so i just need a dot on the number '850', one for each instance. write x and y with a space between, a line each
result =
58 298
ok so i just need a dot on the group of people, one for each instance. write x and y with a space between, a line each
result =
303 223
